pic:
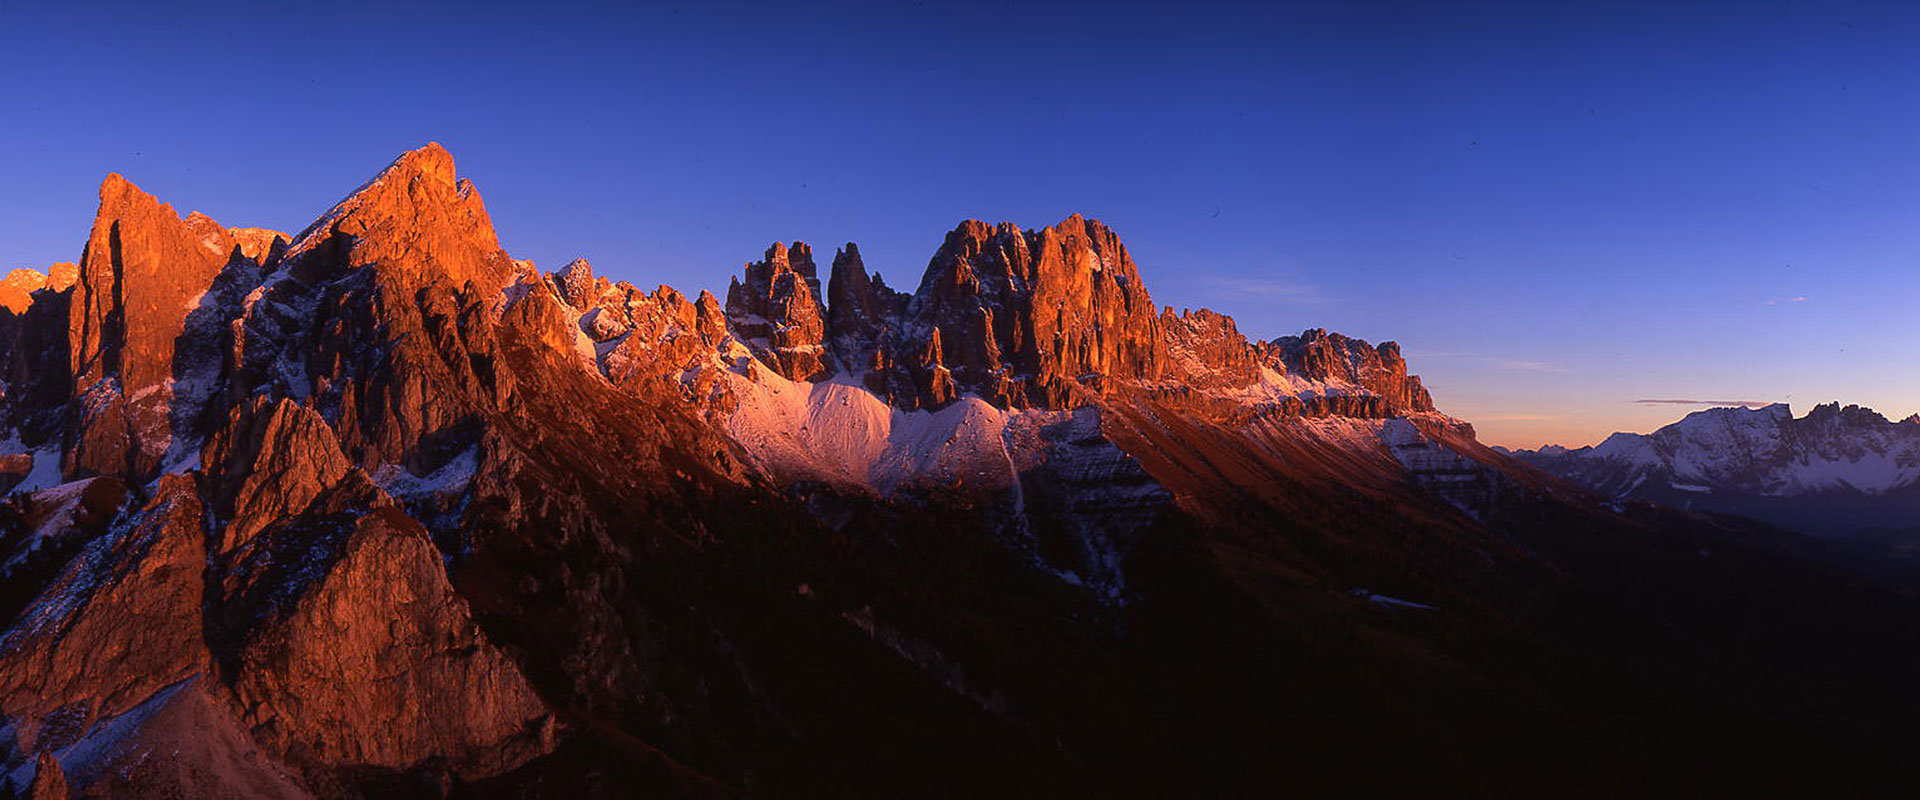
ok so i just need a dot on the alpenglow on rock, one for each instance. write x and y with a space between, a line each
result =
393 513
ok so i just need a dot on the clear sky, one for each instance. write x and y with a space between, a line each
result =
1557 210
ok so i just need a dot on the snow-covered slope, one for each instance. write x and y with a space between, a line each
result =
839 432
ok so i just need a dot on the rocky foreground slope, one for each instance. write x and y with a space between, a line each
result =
377 510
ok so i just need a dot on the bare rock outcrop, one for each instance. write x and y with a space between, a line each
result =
863 322
1206 349
646 343
1034 318
777 310
366 656
417 216
1318 355
184 741
274 458
385 320
143 270
400 504
61 276
49 780
16 290
121 621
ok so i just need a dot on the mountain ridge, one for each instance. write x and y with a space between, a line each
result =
1837 470
401 515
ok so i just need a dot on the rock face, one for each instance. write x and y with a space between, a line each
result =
273 460
384 501
144 269
777 311
1321 356
121 621
182 742
337 673
1056 318
49 780
16 290
652 345
384 316
418 216
1206 349
864 316
1022 317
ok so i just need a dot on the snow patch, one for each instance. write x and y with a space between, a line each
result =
46 471
55 508
1390 602
451 478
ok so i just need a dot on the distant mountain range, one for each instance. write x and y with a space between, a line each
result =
1836 472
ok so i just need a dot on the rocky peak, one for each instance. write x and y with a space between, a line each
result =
385 315
260 244
1023 316
576 285
1059 316
1721 458
1207 349
141 265
49 780
61 276
416 217
1834 415
778 312
143 271
861 312
16 290
273 458
1321 356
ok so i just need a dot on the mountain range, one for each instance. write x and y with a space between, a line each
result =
1836 472
375 509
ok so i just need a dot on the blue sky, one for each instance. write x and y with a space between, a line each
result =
1557 209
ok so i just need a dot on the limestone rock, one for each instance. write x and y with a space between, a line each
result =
49 780
274 458
777 311
61 276
121 621
143 270
1206 349
1318 355
575 282
417 217
16 290
1025 316
366 655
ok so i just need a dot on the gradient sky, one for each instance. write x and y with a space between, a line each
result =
1556 211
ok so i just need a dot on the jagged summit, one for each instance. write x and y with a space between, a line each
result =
779 312
1050 318
430 160
143 272
576 284
16 290
416 215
